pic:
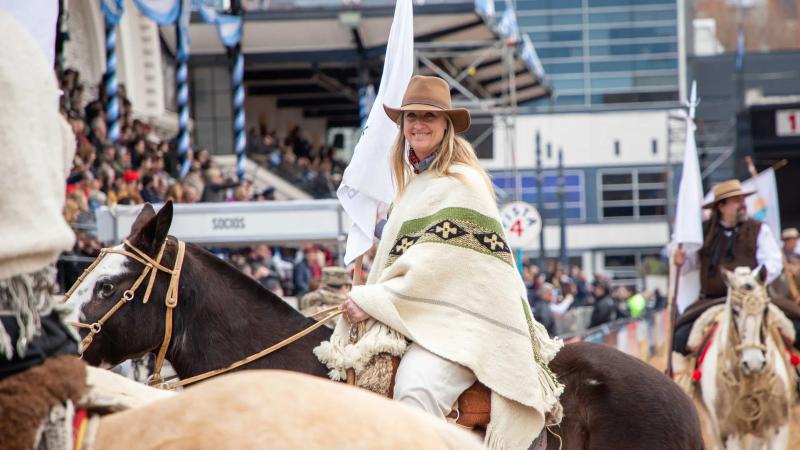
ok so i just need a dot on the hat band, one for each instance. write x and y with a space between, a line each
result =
423 102
733 191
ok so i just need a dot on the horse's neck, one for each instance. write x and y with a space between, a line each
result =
224 316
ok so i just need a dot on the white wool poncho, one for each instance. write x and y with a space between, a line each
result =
444 277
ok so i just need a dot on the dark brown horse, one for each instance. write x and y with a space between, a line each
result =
611 400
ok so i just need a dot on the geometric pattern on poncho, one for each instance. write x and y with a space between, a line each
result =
461 227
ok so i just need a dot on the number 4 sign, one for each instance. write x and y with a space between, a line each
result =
522 223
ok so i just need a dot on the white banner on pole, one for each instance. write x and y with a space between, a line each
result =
688 230
367 184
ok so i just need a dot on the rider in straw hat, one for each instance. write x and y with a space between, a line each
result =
790 237
445 279
731 239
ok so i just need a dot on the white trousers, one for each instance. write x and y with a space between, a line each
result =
429 382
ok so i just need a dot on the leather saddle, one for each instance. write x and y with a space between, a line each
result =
472 409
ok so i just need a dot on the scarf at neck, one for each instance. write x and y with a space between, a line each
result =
418 165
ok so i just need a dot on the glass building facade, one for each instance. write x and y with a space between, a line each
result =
601 54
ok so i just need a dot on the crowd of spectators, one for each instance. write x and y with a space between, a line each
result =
313 169
142 166
554 293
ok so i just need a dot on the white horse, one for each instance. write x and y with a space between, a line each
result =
745 381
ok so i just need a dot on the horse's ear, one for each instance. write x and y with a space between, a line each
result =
153 232
761 276
144 216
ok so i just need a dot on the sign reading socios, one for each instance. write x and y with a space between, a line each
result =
522 223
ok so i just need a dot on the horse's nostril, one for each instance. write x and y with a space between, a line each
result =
746 365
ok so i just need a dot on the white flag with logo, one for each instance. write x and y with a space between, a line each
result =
367 182
688 230
763 205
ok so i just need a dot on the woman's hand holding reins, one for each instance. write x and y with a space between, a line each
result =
352 312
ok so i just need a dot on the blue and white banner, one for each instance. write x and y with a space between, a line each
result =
530 58
112 10
229 27
764 205
163 12
485 9
507 28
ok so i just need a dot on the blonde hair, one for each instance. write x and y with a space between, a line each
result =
453 149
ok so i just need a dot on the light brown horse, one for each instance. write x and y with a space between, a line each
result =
279 410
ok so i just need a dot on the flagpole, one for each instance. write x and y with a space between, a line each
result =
673 301
356 331
673 311
751 167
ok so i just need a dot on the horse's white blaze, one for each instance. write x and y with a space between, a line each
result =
753 359
112 264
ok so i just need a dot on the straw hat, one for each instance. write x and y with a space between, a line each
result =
790 233
429 94
727 189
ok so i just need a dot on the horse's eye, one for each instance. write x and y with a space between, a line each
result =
106 289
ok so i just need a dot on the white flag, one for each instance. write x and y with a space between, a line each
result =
688 229
367 182
763 205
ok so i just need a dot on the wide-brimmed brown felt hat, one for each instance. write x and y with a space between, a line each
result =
727 189
429 94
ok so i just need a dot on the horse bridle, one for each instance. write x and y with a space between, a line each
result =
752 303
151 267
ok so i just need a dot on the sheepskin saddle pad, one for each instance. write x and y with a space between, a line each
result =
470 411
37 405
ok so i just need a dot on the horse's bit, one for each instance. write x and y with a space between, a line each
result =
152 267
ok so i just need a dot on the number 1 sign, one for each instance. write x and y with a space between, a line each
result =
522 223
787 122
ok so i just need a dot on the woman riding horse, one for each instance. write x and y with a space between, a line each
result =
444 278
